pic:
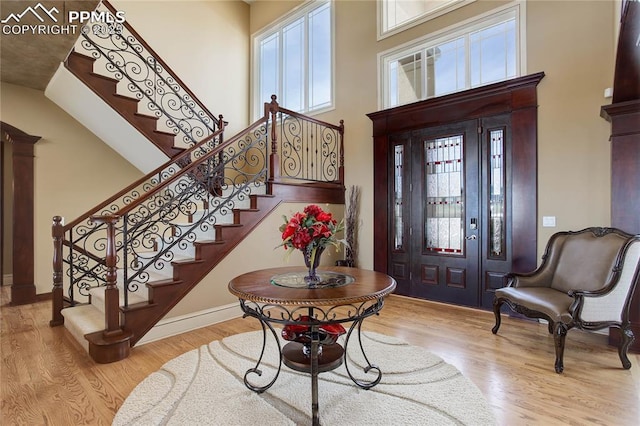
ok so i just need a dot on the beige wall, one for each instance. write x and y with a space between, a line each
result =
258 251
207 43
73 169
572 42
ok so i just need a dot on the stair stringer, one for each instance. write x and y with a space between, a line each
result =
105 87
139 318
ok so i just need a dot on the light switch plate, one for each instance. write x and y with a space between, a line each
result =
549 221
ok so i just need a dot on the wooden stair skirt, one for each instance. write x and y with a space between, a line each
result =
105 87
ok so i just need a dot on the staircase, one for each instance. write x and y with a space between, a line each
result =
106 88
132 258
126 74
124 264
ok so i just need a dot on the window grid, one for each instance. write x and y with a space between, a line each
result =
444 205
464 58
294 61
395 16
398 219
496 197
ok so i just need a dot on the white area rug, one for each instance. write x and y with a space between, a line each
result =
205 387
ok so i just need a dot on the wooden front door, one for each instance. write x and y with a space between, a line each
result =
450 209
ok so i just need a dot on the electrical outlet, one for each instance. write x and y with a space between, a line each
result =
549 221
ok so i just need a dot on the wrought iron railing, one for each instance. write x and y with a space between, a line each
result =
147 206
310 149
132 238
122 54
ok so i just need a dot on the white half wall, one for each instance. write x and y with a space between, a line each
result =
71 94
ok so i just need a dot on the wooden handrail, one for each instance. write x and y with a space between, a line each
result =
313 120
123 211
119 194
83 252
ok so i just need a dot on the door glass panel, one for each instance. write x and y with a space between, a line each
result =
497 199
443 202
397 198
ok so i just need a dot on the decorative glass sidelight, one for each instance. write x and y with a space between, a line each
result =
496 195
398 234
443 186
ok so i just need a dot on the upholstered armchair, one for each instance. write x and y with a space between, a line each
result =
586 280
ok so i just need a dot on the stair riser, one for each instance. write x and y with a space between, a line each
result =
78 63
98 298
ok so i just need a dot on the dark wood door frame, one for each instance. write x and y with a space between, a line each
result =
624 115
517 97
23 289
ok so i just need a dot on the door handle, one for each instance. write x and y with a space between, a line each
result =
471 237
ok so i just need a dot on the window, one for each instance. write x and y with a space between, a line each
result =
293 59
397 15
474 54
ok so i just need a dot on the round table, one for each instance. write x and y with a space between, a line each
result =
279 296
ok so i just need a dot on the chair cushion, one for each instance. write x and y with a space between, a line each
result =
553 303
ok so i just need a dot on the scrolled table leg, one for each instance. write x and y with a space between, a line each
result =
256 369
369 367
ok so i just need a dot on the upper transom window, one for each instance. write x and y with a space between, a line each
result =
397 15
472 54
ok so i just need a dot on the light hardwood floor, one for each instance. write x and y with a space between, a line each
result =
47 379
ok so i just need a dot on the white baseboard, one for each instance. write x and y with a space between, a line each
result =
7 279
183 323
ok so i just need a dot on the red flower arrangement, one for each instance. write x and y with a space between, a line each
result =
311 232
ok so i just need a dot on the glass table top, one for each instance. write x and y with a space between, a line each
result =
326 279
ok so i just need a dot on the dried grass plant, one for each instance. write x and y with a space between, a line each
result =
351 225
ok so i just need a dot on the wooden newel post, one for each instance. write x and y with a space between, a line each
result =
274 161
111 294
57 232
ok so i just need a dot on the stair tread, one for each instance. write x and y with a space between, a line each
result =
208 242
162 132
128 98
151 117
186 223
104 77
85 318
155 276
148 255
187 261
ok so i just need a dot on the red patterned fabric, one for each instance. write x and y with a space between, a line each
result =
301 333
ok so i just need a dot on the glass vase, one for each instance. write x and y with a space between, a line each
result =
312 260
